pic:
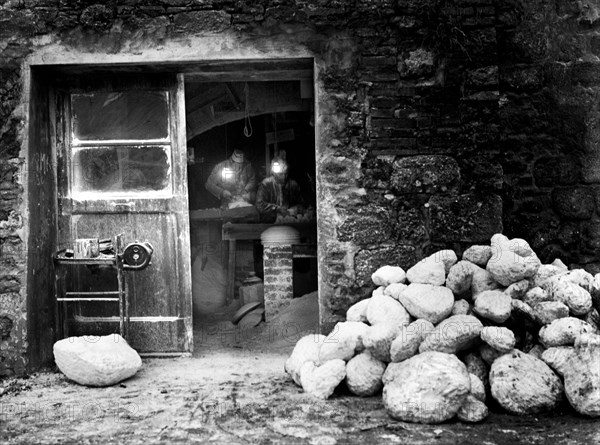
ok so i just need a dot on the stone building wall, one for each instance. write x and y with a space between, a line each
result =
549 119
441 123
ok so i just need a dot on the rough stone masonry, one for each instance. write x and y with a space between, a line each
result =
441 123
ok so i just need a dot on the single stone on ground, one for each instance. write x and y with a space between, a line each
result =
427 388
96 361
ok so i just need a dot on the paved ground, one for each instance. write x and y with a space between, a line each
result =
234 390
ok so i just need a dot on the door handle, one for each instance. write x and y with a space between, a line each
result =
124 206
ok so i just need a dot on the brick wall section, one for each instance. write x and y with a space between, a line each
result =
278 278
442 122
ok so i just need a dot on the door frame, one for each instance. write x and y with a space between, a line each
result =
38 68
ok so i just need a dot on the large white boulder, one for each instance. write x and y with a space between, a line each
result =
536 295
306 349
562 289
394 290
387 275
407 342
517 290
378 340
500 338
564 332
512 260
321 381
482 280
582 380
96 361
460 277
446 256
383 309
494 305
427 388
429 270
523 384
363 374
546 312
544 272
479 255
432 303
580 277
559 358
343 342
358 311
454 334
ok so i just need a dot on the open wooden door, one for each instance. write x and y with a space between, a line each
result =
121 160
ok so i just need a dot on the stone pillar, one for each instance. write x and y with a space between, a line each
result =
278 267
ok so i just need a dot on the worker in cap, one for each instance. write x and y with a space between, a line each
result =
233 180
277 194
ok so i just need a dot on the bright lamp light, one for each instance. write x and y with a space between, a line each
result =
227 174
277 167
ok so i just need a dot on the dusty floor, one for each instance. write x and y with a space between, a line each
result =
234 390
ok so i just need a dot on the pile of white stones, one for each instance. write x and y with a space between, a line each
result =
446 335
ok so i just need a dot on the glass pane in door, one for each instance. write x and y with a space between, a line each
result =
131 115
119 169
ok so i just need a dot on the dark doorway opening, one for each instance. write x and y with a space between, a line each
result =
266 120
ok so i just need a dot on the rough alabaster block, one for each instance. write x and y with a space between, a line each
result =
96 361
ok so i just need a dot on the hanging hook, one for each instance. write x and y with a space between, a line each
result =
247 122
